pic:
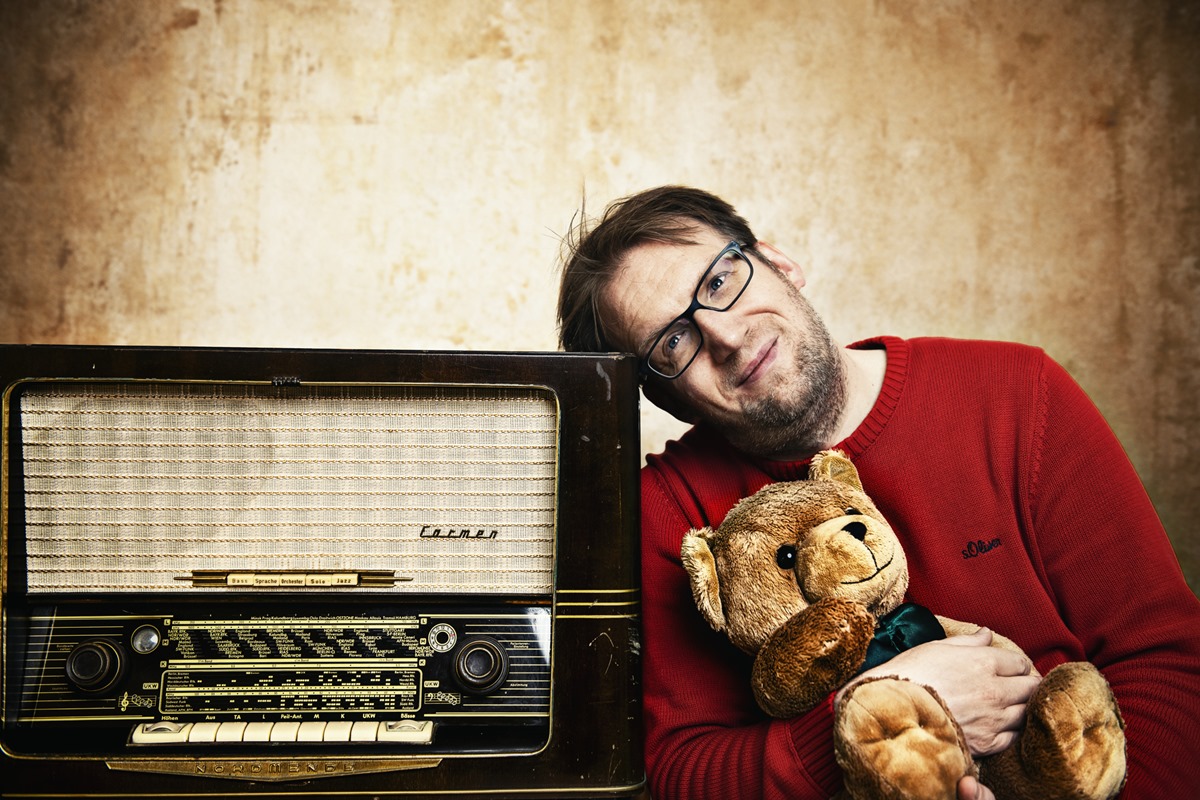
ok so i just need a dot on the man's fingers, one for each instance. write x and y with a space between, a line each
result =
971 789
1017 691
1010 664
980 638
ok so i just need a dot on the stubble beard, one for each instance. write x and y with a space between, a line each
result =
803 417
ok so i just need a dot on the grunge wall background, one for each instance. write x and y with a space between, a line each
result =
398 174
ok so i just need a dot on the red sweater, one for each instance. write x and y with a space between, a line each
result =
969 443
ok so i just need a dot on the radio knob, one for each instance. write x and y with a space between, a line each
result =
95 666
481 665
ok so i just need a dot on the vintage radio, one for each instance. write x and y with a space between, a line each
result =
319 573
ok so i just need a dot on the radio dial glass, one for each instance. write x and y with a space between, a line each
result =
145 639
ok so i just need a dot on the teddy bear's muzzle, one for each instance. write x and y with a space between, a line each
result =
841 558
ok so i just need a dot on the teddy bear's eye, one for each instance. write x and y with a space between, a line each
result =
785 557
853 512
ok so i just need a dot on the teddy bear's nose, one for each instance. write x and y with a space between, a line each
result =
856 529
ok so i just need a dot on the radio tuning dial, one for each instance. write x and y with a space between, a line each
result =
481 665
95 666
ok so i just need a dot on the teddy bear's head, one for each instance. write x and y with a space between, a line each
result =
790 545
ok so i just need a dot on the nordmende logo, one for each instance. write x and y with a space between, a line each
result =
448 532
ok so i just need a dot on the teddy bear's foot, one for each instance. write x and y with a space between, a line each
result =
895 739
1073 730
1073 745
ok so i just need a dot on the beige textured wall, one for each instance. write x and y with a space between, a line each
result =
397 174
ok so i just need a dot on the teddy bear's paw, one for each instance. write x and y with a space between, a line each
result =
1074 736
895 739
811 655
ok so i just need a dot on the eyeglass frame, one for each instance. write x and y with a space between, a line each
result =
645 368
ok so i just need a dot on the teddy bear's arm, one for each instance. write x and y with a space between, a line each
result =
811 655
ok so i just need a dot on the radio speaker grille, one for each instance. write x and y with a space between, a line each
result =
131 487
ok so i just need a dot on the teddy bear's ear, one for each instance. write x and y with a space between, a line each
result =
702 571
832 465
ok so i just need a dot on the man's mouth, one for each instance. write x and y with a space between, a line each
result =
758 365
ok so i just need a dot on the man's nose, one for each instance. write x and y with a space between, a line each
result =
723 331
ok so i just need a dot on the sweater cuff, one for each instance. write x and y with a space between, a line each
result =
812 737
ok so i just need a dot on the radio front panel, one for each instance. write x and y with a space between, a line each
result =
318 572
442 681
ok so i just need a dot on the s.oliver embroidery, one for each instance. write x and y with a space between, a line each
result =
979 547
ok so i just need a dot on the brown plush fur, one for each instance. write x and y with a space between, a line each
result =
797 576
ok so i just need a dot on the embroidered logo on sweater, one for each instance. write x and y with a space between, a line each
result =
979 547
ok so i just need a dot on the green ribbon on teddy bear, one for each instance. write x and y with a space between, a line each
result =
906 627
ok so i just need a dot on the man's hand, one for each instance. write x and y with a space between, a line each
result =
985 688
971 789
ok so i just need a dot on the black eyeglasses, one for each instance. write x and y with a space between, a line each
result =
719 288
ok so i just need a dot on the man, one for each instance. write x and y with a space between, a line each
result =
957 442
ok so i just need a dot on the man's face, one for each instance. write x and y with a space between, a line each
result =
767 376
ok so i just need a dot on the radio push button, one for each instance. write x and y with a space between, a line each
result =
230 732
258 732
95 666
311 732
161 732
406 731
338 731
285 731
204 732
364 731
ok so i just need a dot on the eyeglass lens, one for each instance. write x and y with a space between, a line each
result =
718 290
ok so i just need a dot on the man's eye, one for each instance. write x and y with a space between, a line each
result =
677 337
716 283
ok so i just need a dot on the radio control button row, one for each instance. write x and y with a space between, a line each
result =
401 731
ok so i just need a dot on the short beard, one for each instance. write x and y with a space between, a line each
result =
802 424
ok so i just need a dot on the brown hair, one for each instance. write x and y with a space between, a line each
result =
594 250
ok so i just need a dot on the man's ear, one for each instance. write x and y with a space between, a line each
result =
786 266
702 572
667 400
832 465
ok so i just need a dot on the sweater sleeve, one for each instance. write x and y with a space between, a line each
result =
1113 575
704 734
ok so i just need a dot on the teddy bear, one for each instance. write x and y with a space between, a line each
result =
808 578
